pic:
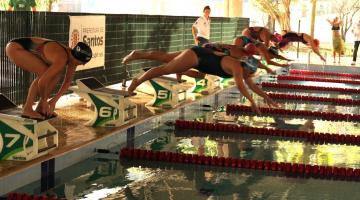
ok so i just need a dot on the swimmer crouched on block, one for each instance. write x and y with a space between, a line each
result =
47 59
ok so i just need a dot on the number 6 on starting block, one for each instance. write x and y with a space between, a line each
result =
112 107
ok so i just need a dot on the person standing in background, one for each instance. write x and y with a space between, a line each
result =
201 28
338 43
356 32
22 5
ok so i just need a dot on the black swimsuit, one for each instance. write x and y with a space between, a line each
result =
37 49
255 34
209 63
335 28
292 37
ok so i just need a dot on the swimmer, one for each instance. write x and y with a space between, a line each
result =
289 36
262 34
47 59
206 61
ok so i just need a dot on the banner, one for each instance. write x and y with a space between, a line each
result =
90 30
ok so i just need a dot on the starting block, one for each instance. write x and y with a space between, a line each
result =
167 91
112 107
227 82
21 138
205 85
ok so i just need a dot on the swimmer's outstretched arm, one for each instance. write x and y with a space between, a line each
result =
316 49
238 77
260 92
268 70
281 57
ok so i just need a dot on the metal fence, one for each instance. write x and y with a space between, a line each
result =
123 34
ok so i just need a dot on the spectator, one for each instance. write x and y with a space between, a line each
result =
356 32
201 28
338 43
22 5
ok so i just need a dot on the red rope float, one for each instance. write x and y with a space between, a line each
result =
24 196
304 87
314 99
314 137
308 72
304 78
236 109
294 169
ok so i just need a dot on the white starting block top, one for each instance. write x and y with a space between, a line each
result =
96 87
112 107
9 110
22 138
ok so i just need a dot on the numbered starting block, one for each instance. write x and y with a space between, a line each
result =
205 85
21 138
167 91
227 82
112 107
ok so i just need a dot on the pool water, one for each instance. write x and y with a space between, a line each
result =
105 176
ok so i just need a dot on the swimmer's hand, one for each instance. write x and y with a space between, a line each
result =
270 102
255 108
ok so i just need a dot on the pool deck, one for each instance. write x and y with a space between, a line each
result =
78 142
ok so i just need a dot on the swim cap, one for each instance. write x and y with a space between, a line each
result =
250 49
277 37
316 42
250 64
82 52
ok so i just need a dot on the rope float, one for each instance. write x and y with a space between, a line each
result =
304 87
315 79
313 137
309 72
318 100
239 109
24 196
294 169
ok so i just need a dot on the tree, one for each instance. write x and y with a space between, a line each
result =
278 10
346 9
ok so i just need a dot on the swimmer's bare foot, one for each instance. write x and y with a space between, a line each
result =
32 115
131 56
132 86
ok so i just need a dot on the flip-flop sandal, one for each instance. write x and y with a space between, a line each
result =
34 118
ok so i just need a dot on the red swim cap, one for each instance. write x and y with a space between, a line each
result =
250 49
316 42
277 37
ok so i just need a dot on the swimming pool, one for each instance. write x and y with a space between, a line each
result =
105 176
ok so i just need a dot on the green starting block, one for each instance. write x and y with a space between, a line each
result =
21 138
112 107
166 90
205 85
